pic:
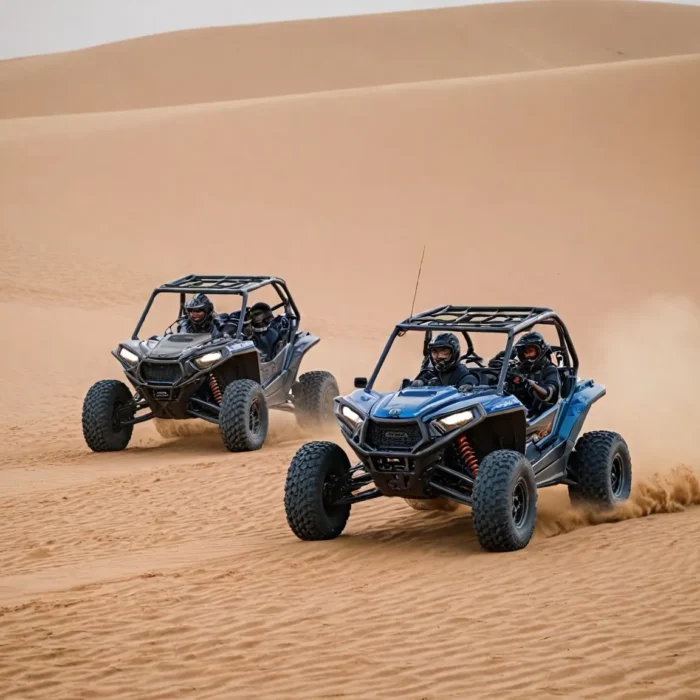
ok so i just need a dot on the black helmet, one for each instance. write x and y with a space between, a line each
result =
445 340
532 340
260 316
200 302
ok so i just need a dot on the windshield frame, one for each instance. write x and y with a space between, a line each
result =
193 285
545 317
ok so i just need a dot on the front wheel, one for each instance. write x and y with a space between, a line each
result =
243 418
314 482
102 428
603 469
504 501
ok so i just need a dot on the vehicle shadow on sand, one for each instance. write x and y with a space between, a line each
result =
437 532
204 439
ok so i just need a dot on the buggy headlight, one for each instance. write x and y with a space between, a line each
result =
128 355
209 359
351 416
455 420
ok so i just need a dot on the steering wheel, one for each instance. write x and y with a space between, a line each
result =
516 379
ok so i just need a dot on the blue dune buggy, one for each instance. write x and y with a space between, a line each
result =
438 447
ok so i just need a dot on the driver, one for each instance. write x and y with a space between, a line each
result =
536 380
200 317
443 368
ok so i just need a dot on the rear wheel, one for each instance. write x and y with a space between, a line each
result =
314 482
244 419
313 399
504 501
103 430
603 469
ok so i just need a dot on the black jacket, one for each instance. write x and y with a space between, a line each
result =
458 376
216 325
546 376
265 343
272 339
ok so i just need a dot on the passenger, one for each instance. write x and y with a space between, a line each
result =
269 332
536 383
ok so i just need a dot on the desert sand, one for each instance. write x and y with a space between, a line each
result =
546 152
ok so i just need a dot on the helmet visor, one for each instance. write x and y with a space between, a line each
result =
444 354
528 352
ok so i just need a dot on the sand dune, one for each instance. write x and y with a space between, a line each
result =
594 162
346 169
533 176
264 60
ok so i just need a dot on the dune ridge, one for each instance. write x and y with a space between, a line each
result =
221 64
331 140
542 168
52 123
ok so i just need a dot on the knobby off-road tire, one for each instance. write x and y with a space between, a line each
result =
244 416
314 469
313 399
603 468
439 503
101 428
504 502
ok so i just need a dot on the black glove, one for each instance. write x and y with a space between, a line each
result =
517 379
417 382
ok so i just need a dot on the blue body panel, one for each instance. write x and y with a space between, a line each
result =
549 456
427 403
576 409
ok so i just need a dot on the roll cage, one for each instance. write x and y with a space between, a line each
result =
230 285
510 320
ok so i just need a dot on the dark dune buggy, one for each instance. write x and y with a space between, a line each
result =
177 376
437 446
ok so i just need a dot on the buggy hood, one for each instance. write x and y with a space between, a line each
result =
426 402
171 347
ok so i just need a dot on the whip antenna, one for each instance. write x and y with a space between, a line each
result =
420 267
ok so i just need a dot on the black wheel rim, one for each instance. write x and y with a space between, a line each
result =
521 503
116 421
254 419
329 493
617 476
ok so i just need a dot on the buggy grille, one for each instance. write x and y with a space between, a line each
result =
392 464
393 436
161 372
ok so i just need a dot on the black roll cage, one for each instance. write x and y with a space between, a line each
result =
510 320
225 284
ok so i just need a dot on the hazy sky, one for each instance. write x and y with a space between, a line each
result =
43 26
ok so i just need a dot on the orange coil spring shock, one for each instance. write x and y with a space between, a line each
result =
214 386
467 454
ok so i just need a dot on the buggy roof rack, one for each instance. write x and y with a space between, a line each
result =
241 285
219 284
481 319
